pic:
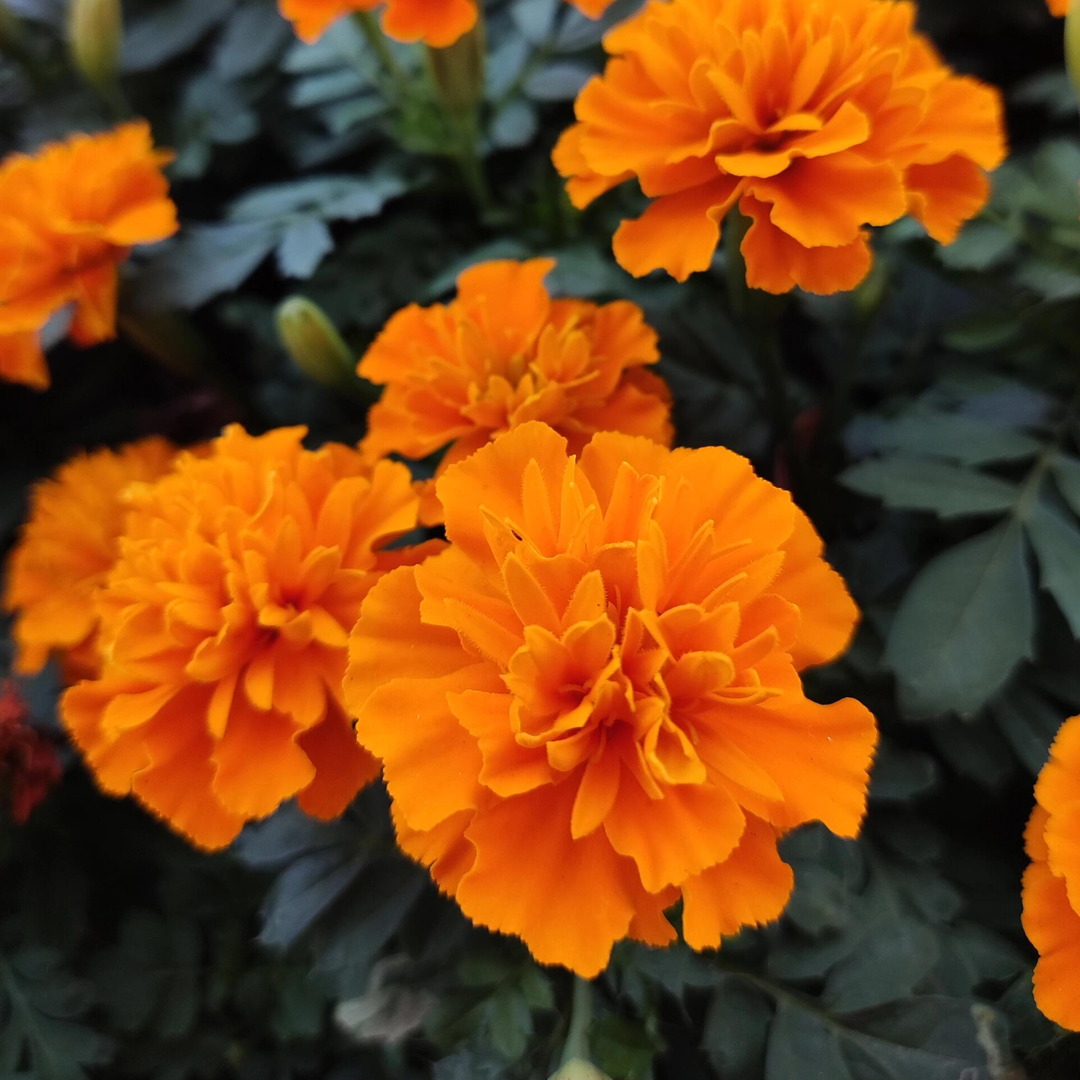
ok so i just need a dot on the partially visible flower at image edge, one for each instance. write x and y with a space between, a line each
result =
504 353
65 550
1052 881
1058 7
438 23
590 704
29 763
813 118
224 626
69 216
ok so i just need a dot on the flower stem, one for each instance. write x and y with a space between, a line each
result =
457 73
397 75
577 1036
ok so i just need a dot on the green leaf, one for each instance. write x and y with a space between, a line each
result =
965 623
736 1030
1029 723
926 1038
170 30
982 245
806 1044
329 198
908 483
949 435
1056 541
41 1013
1066 472
624 1049
151 977
303 247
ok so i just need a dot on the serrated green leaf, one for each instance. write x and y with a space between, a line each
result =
737 1030
964 625
909 483
804 1043
1056 541
952 436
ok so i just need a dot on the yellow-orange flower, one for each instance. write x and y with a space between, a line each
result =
1058 7
438 23
224 626
816 118
590 703
68 218
1052 882
66 549
504 353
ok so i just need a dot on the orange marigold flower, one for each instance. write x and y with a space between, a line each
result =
1052 882
504 353
438 23
224 626
66 549
1058 7
590 703
68 218
816 118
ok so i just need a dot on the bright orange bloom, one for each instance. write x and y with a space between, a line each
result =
438 23
816 118
590 703
66 549
1058 7
504 353
68 218
224 625
1052 882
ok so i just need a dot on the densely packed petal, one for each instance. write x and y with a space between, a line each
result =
815 118
69 216
504 353
66 549
1052 882
224 626
590 703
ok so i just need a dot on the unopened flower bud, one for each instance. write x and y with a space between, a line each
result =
578 1069
1072 44
95 34
311 339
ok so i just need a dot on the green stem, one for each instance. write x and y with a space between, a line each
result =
577 1036
396 74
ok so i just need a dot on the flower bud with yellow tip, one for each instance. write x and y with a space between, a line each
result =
579 1069
95 35
316 347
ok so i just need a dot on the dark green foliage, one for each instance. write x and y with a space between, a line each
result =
936 445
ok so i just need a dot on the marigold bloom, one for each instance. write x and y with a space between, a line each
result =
816 118
590 703
1052 882
224 625
66 549
438 23
504 353
68 217
1058 7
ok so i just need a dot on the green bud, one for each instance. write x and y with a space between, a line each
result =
314 344
1072 44
579 1069
95 35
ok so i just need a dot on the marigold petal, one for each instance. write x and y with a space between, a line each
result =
749 888
342 766
818 755
22 359
677 233
945 195
675 844
777 263
568 899
825 202
438 23
1053 926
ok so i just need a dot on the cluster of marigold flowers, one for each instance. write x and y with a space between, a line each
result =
592 688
